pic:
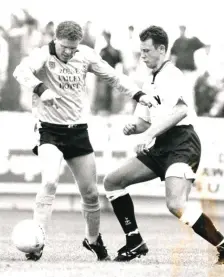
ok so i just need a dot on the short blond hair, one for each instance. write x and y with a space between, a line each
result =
69 30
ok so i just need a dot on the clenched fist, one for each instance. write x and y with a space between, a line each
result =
129 129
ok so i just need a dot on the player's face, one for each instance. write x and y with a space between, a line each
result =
66 49
150 54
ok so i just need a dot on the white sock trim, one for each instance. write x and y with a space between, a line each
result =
135 232
45 199
90 207
220 243
191 214
114 194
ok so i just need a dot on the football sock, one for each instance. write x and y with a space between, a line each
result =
124 210
205 228
91 214
43 210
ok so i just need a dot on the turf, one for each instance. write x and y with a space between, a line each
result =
175 251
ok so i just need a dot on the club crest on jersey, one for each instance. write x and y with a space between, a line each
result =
85 66
52 65
158 100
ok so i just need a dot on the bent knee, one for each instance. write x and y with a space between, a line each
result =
113 182
90 196
50 187
175 206
108 182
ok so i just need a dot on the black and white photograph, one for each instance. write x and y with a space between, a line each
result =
112 139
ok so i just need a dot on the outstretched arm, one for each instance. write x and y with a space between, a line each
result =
121 82
168 120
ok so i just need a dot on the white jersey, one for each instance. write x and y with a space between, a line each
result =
68 81
167 87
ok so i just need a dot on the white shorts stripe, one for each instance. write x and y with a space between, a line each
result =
181 170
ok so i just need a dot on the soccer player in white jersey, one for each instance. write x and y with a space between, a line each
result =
56 75
174 157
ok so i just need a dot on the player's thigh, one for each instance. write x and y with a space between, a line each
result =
84 171
50 161
178 180
133 171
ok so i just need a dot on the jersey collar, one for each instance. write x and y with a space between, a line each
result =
158 70
52 49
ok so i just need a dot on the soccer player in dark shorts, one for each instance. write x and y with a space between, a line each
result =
174 156
56 74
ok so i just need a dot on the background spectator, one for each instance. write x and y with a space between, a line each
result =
104 96
48 33
182 55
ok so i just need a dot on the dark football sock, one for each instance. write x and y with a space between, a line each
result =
124 210
206 229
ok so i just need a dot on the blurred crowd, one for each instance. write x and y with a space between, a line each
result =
201 62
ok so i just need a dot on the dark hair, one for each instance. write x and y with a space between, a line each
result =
157 34
69 30
49 24
107 34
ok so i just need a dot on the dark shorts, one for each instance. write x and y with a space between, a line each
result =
72 142
180 144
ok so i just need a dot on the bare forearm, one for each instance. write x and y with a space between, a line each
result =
141 125
161 126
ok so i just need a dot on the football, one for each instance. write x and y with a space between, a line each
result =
28 236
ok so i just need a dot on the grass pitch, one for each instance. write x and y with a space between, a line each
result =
175 251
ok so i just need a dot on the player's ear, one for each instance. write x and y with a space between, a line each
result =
162 48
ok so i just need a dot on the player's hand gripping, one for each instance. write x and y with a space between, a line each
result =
50 98
129 129
143 148
147 100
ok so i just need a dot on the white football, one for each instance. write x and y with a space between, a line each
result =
28 236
